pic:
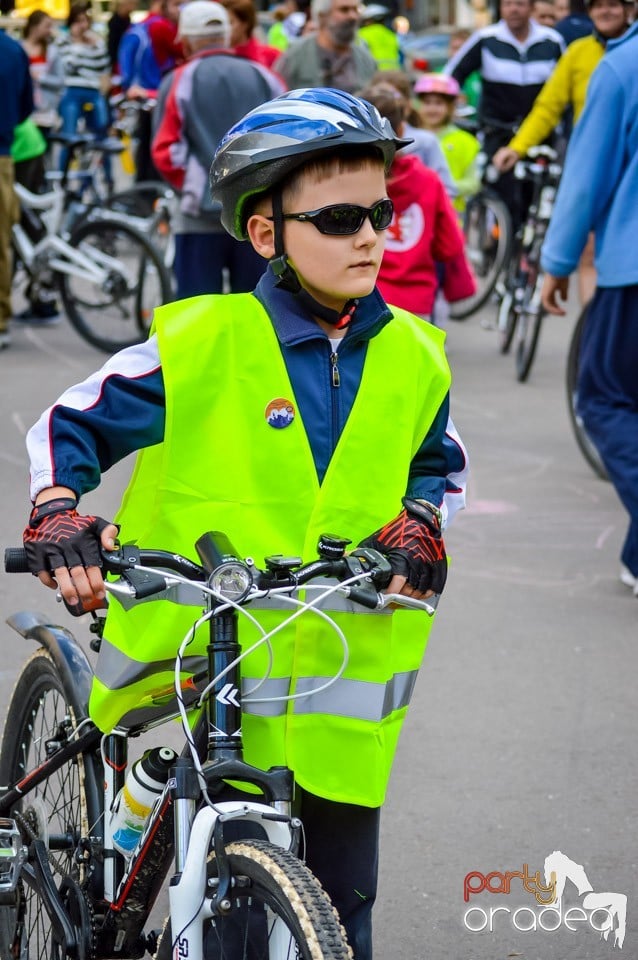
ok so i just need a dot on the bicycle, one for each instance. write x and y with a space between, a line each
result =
585 445
520 310
109 275
67 891
147 206
487 226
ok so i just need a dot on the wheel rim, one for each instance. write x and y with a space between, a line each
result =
55 812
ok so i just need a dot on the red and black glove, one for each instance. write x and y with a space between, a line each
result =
58 536
413 544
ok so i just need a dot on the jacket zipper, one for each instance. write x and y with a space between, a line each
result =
336 383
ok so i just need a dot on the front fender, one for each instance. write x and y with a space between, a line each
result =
70 660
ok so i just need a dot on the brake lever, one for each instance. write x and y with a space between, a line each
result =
400 600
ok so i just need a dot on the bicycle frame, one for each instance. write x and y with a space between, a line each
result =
181 826
53 250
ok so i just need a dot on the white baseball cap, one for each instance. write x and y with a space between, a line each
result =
203 18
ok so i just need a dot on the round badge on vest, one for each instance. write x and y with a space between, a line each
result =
279 413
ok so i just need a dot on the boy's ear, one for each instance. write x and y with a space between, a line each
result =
261 233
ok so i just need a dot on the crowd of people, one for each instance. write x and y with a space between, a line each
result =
329 202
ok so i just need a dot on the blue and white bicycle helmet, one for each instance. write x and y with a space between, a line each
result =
277 137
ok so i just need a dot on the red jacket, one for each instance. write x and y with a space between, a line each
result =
252 49
424 231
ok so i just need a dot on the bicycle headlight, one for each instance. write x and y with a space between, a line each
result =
231 580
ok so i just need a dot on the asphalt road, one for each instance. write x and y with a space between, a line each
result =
521 737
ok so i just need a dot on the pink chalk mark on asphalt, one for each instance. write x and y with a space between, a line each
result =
491 507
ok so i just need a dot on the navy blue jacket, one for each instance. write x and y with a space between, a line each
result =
121 408
17 90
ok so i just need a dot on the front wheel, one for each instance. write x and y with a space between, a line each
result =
278 911
585 445
529 328
117 311
60 812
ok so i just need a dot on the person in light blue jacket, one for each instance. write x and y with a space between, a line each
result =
599 192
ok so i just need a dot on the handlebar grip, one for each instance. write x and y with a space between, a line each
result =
15 560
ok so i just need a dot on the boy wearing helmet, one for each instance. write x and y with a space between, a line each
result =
366 448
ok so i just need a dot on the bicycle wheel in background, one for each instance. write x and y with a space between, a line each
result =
149 203
488 240
117 312
530 320
507 308
585 445
278 911
63 809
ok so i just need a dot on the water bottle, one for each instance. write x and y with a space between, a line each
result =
144 783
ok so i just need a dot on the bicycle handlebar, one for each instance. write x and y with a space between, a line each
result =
141 576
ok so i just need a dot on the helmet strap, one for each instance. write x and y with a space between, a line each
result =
288 280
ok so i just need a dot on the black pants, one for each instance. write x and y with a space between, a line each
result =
516 194
342 850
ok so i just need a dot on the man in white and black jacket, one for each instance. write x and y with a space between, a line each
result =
514 58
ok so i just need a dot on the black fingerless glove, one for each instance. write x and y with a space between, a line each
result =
413 544
58 536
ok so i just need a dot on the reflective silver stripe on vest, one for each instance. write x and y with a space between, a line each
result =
117 670
264 690
355 699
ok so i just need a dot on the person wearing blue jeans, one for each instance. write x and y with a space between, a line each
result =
73 106
598 193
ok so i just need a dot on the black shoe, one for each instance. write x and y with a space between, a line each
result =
40 314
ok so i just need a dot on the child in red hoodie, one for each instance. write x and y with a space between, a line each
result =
424 229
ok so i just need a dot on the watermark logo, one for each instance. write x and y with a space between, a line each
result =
604 912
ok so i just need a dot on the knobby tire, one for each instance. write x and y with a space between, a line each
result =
59 811
272 886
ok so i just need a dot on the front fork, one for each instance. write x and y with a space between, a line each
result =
192 901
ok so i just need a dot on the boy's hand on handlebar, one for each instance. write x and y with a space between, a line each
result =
63 549
413 544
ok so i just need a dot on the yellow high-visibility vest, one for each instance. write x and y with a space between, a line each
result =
223 465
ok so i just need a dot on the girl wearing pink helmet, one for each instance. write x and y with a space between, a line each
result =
437 95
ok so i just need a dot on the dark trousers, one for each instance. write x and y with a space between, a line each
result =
608 396
515 194
341 850
200 259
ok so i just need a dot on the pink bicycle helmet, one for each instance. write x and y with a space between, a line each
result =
437 83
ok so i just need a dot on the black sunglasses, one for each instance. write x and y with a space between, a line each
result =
345 219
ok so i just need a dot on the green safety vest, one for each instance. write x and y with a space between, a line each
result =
223 466
383 44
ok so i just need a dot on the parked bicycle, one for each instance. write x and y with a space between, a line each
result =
585 445
109 275
148 205
65 890
520 312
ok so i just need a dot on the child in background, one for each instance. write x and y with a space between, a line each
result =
437 94
424 230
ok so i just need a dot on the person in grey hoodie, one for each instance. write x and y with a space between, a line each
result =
330 57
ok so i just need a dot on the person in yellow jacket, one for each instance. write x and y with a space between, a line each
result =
567 87
270 416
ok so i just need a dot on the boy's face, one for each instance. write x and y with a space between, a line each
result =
332 269
336 269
